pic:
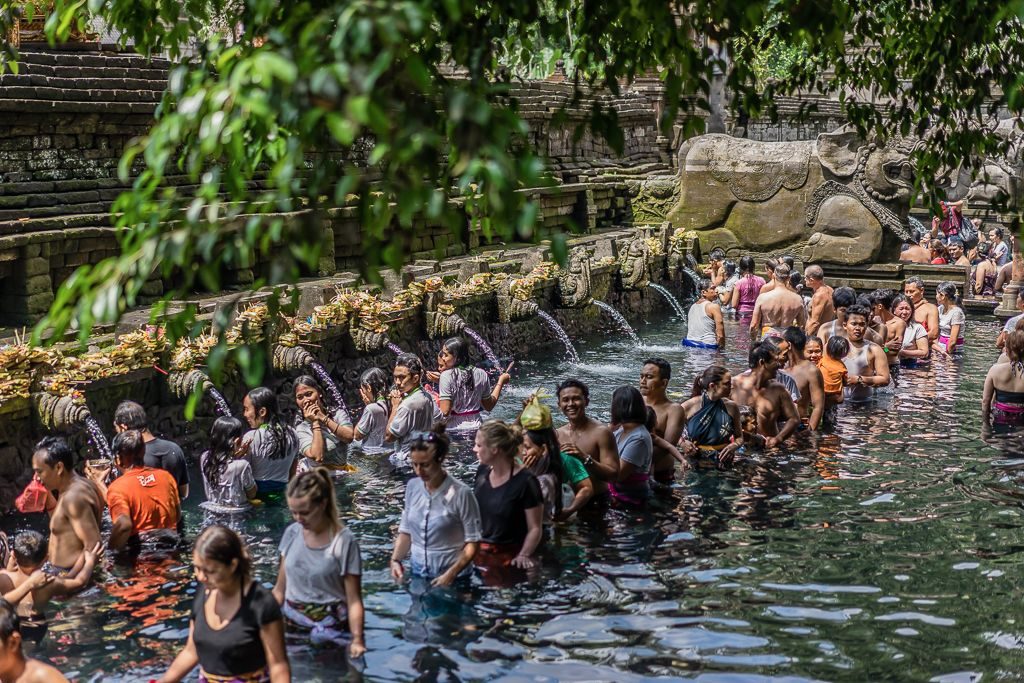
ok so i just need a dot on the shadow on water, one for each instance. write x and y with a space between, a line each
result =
885 550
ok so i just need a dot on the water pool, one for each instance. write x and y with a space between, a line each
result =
884 551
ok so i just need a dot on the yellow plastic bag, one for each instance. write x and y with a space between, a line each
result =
535 414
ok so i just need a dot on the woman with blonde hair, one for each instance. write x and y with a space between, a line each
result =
510 500
319 579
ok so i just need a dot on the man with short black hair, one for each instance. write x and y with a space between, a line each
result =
811 405
586 439
866 363
925 312
15 667
759 390
956 253
654 377
821 310
160 453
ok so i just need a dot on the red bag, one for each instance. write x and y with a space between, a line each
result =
33 498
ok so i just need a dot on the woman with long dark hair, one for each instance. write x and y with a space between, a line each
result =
373 389
463 390
744 293
272 444
553 468
636 448
324 431
227 477
236 632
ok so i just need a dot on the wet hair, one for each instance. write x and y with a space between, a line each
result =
436 437
664 367
30 548
865 301
796 279
914 280
628 406
325 398
843 297
782 271
712 374
54 449
813 340
10 623
411 362
704 284
717 254
771 263
652 420
796 337
220 544
788 260
857 309
463 370
814 273
837 348
376 379
1014 346
760 353
573 383
502 437
551 463
316 484
129 446
223 433
948 290
747 264
131 415
730 268
284 441
885 297
901 298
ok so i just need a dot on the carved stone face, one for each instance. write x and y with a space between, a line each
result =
889 172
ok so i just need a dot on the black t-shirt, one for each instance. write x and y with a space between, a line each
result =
162 454
503 509
237 648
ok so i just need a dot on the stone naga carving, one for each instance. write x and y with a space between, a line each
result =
837 199
574 279
291 358
182 384
442 321
59 412
511 308
635 264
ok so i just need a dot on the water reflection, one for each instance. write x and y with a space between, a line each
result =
883 550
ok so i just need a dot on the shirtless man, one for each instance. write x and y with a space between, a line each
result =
925 312
15 667
842 299
915 253
654 378
822 310
779 308
773 408
586 439
866 364
893 328
75 521
811 405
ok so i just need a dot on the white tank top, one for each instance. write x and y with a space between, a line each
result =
700 327
857 361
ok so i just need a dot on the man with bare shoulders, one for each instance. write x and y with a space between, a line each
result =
811 404
822 310
866 365
892 328
842 299
586 439
779 308
773 408
654 378
925 312
75 521
914 252
15 667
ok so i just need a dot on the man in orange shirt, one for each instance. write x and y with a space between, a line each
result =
143 499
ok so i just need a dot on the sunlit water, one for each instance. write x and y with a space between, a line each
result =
885 551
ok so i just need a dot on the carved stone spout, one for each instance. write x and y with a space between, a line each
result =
367 341
291 358
574 280
59 412
441 319
635 264
510 308
182 384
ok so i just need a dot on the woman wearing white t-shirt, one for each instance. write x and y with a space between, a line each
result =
227 477
464 391
272 444
373 389
916 348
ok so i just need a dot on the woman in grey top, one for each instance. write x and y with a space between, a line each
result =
324 433
271 443
319 579
411 408
463 391
373 387
440 527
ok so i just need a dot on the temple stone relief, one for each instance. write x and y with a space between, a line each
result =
837 199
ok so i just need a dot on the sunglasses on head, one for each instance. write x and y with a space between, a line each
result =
424 437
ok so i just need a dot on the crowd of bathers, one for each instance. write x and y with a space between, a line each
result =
807 355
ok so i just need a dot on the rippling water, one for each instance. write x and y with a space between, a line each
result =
886 550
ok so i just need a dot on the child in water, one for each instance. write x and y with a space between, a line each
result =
833 370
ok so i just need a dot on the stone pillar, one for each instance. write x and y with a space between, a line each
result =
1008 307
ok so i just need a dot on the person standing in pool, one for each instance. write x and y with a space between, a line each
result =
821 309
926 313
713 423
586 439
1002 401
636 450
160 453
272 445
866 364
463 390
228 480
892 328
373 389
76 518
779 308
412 410
775 414
842 299
748 287
323 432
915 349
654 378
705 328
811 404
15 667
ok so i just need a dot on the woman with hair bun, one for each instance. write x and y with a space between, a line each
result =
713 422
440 527
464 391
510 500
952 321
319 578
236 632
